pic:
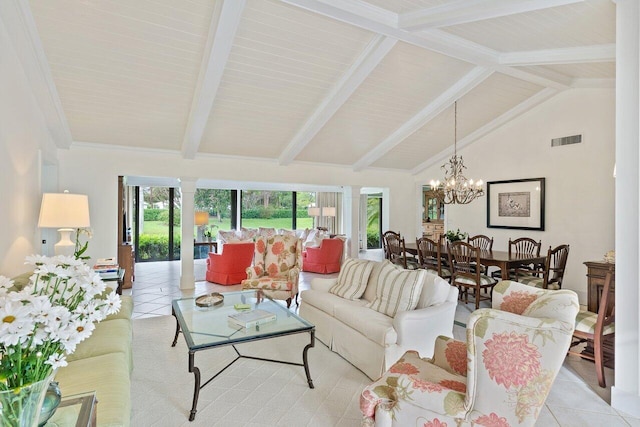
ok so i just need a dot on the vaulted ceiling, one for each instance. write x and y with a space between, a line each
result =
364 84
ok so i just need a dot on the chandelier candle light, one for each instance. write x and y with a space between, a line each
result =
456 189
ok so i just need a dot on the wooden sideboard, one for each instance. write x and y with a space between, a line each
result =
433 230
596 272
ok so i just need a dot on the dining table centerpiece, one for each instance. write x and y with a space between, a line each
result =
454 236
40 325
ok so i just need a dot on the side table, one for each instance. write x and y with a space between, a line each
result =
78 410
119 278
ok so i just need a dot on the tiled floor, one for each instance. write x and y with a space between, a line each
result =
575 399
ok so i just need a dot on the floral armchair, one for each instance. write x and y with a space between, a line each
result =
276 269
500 377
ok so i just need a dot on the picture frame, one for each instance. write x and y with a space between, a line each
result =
516 204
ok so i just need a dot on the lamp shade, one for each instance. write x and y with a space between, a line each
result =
312 211
328 211
64 210
202 218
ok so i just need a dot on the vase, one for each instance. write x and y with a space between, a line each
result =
52 398
21 406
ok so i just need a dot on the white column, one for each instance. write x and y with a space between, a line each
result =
625 394
351 215
187 222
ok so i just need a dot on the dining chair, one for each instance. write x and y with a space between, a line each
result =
463 257
520 246
551 275
397 251
430 257
597 329
484 243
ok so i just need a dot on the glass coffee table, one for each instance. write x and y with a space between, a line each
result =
208 327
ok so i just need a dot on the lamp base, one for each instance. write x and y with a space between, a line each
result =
65 246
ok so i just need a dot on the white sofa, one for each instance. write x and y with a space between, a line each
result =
373 341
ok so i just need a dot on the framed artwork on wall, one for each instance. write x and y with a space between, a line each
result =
516 204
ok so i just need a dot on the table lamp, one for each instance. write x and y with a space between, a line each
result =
313 212
201 219
329 212
66 212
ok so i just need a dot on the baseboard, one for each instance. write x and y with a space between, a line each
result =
626 402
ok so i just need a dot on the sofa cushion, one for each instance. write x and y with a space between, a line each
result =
108 375
328 302
371 324
247 234
372 286
227 236
397 290
435 290
266 231
111 336
353 278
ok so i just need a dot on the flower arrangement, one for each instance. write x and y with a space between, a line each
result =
208 231
80 249
454 236
44 322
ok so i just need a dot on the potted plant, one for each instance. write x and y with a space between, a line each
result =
454 236
208 233
40 325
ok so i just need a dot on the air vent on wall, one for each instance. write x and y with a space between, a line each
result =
566 140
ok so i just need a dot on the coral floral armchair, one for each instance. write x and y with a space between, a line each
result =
500 377
276 268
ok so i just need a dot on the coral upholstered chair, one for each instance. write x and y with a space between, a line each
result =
324 259
500 376
276 267
230 267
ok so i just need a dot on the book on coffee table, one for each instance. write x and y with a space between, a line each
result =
251 318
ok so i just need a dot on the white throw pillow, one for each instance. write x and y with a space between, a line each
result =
434 291
397 290
353 278
310 241
372 286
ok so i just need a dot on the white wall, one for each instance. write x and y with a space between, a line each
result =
94 171
22 132
579 208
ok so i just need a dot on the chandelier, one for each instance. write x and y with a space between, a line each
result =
456 189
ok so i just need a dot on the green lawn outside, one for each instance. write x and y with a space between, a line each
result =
160 228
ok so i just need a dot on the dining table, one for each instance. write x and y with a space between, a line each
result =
502 259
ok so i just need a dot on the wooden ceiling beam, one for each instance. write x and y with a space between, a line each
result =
224 24
465 11
571 55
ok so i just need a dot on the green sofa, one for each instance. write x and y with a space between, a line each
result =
102 363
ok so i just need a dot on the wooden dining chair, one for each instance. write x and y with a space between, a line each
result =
430 257
463 257
551 275
597 329
484 243
397 251
520 246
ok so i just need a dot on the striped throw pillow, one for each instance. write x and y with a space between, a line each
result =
353 278
398 290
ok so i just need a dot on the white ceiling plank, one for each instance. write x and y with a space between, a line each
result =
367 61
594 83
465 11
448 97
546 78
21 28
573 55
224 25
499 121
